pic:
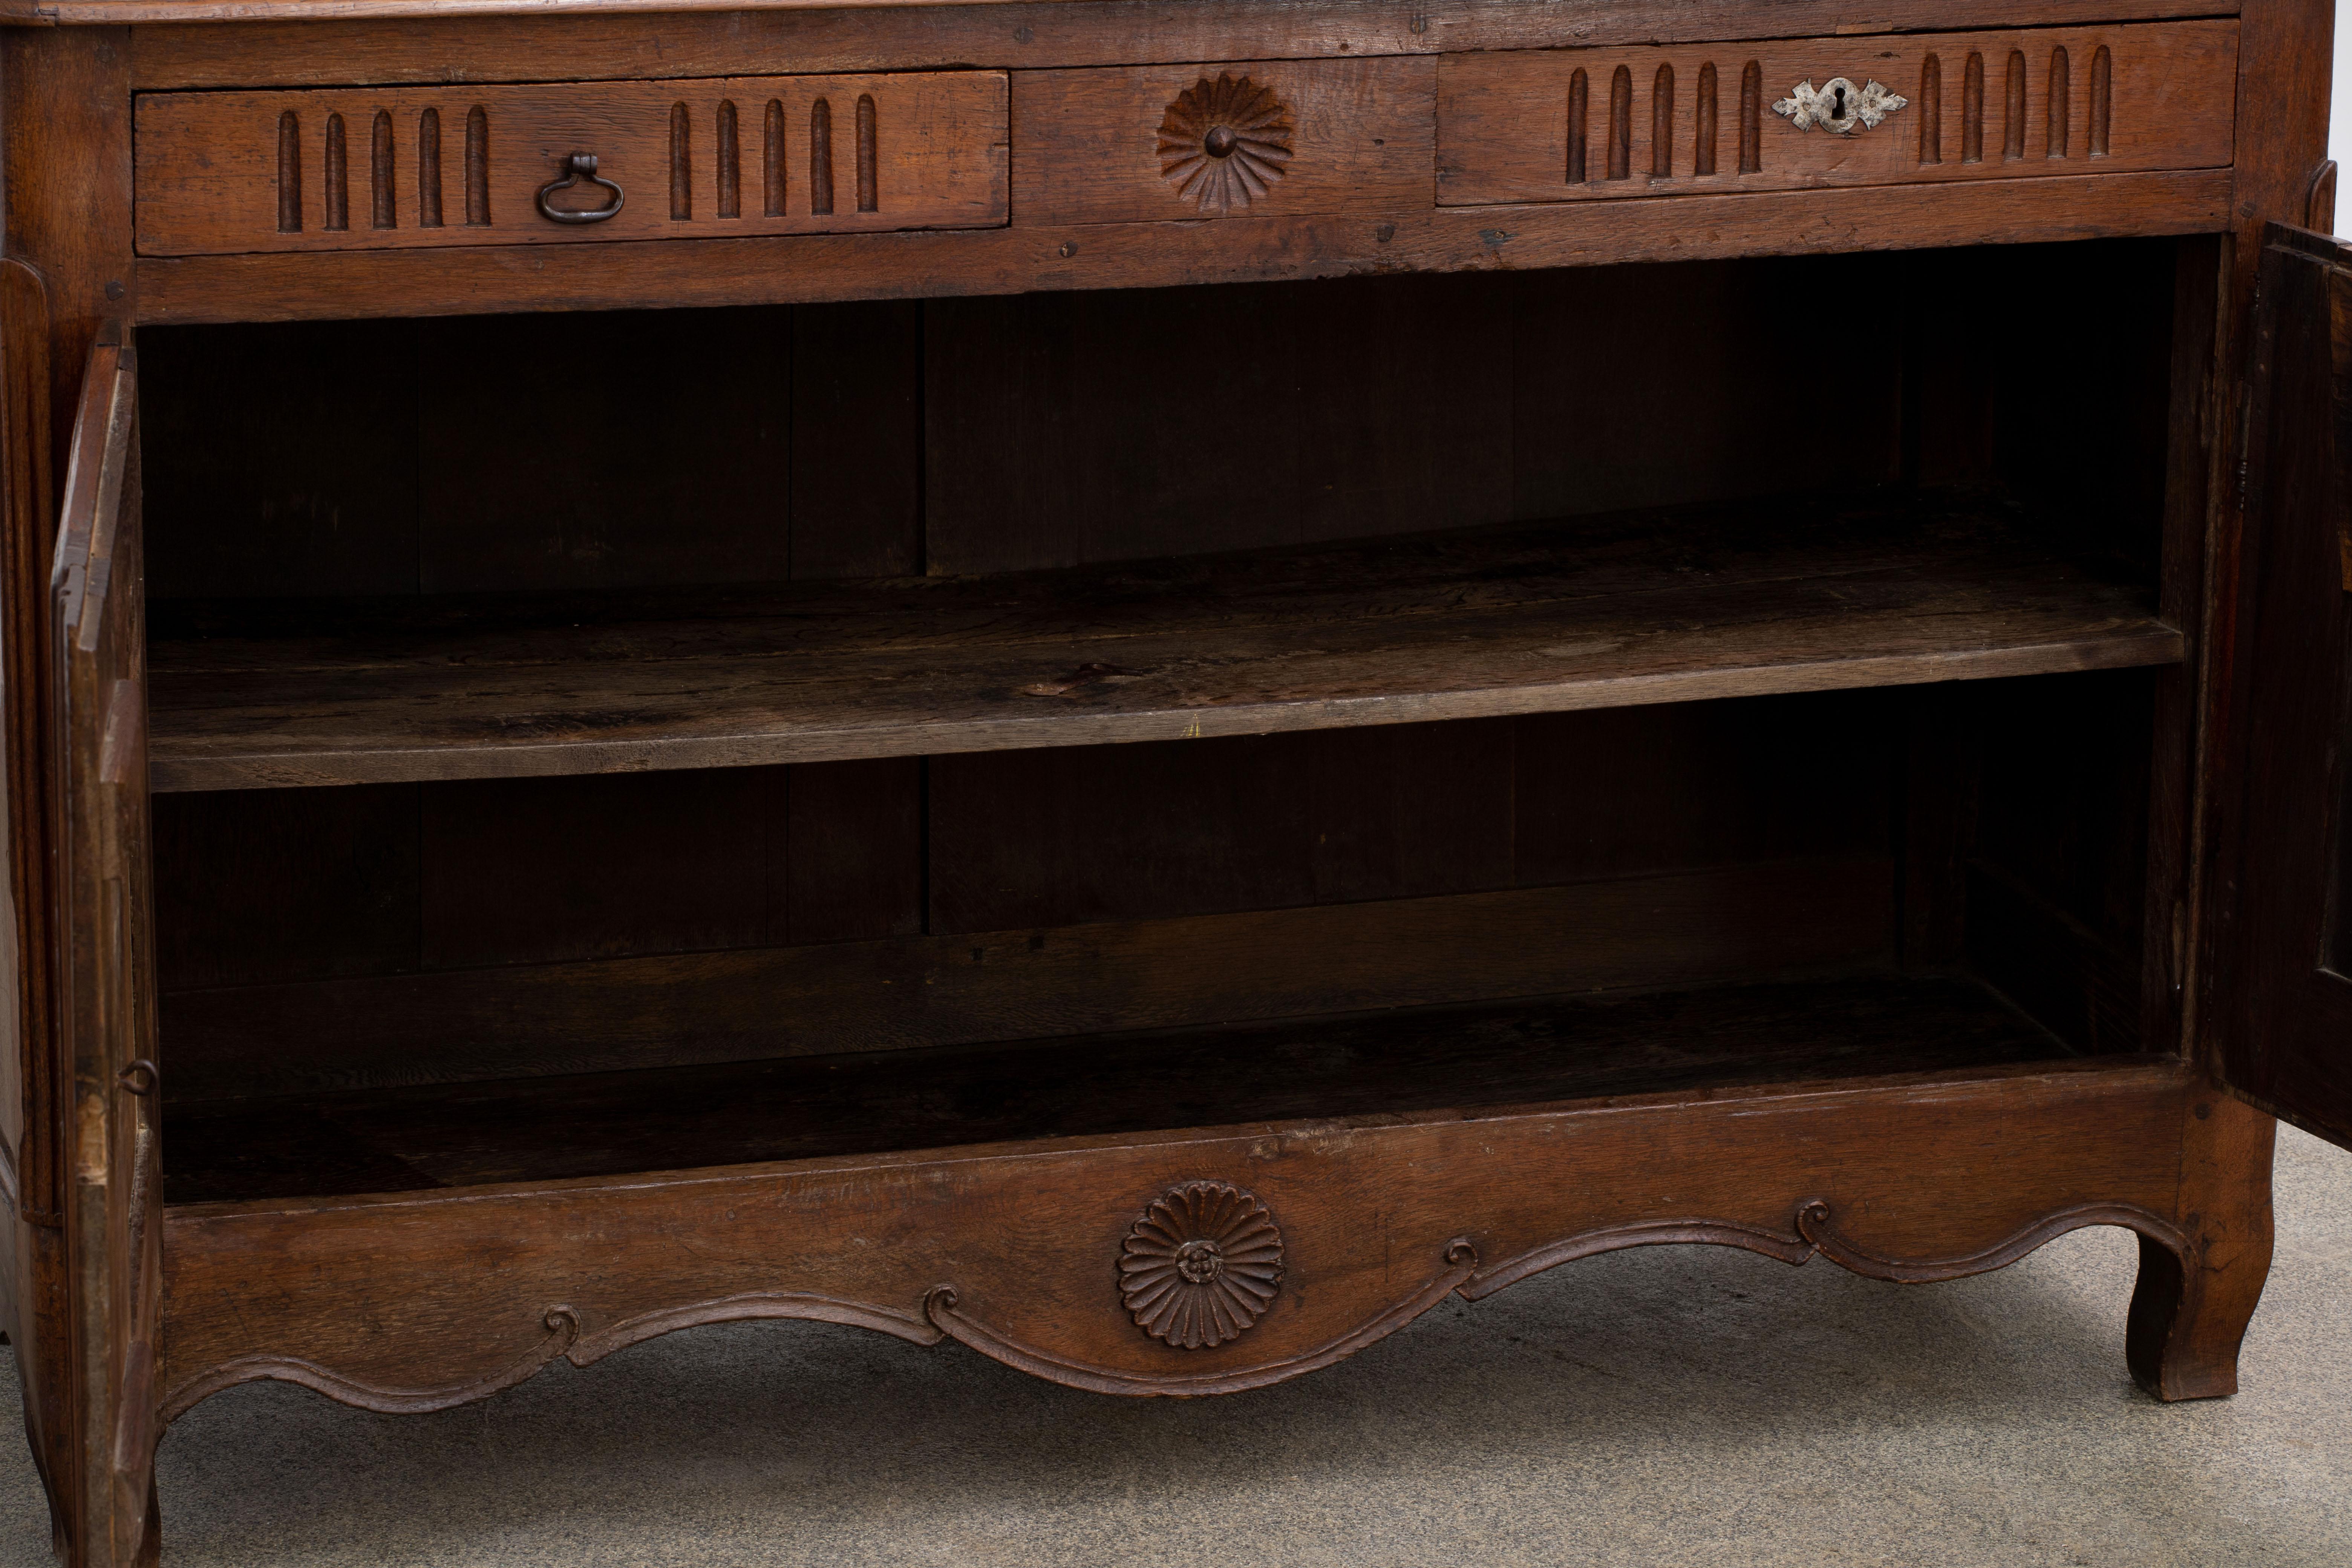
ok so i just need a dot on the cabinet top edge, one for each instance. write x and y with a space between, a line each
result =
142 12
1883 19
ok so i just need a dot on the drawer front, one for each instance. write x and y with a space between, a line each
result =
1585 124
1252 138
365 169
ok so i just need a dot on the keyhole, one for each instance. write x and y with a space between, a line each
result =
1837 104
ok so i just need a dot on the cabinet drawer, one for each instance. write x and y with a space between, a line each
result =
1305 136
371 169
1580 124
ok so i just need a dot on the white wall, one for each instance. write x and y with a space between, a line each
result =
2340 123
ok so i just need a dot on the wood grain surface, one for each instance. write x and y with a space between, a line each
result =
1587 615
473 280
236 172
66 164
547 1218
1021 34
86 13
1901 1180
2284 951
30 1092
105 969
2190 1314
1698 927
1357 136
1398 1061
1675 817
2091 100
66 178
33 1088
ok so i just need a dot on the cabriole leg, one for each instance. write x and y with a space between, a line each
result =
2188 1312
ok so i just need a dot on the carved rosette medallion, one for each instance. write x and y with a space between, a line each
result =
1840 108
1201 1263
1222 143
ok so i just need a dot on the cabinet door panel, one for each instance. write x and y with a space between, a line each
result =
2281 1031
30 1125
28 1086
113 1215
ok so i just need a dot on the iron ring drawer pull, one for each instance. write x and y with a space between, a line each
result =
576 166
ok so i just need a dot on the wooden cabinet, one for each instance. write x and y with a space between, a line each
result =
1142 687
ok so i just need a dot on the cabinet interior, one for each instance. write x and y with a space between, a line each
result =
1736 851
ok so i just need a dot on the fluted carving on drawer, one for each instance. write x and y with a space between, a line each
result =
428 169
1517 126
1703 134
682 164
869 197
2055 106
730 163
774 186
2103 65
1620 124
289 173
1931 110
478 167
1579 124
919 150
1662 123
1751 117
821 156
2012 110
338 182
383 204
1972 109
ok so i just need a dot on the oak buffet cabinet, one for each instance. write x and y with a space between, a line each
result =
1143 683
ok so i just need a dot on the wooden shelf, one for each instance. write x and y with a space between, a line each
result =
1720 601
1402 1062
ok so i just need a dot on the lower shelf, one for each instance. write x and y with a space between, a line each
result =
1398 1062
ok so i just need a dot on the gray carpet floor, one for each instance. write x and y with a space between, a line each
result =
1666 1406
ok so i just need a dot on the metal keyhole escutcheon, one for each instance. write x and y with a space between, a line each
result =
579 166
1839 107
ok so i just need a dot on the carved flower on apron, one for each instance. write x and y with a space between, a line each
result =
1222 143
1202 1264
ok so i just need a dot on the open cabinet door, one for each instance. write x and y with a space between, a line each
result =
2280 1025
114 1215
32 1257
